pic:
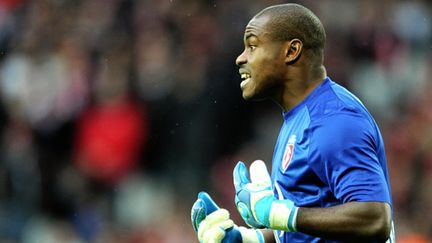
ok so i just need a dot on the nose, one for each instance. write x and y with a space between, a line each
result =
241 59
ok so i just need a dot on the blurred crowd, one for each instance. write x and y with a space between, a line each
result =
115 113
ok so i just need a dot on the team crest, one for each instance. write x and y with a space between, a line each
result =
289 151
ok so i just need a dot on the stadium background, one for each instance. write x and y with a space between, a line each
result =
115 113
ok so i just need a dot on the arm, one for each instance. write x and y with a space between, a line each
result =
268 236
364 221
355 171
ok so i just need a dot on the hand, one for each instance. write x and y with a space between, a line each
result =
214 225
255 200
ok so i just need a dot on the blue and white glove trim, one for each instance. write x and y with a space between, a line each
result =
255 199
213 225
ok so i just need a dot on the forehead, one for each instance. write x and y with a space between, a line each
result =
256 26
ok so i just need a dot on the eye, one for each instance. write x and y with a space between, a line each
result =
252 47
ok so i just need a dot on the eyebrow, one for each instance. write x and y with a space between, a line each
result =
249 35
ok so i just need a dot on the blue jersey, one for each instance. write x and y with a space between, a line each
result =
329 151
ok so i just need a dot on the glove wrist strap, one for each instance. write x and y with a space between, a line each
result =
283 216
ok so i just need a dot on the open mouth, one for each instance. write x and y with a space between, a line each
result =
246 78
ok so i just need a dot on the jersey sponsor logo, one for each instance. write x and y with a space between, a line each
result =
289 151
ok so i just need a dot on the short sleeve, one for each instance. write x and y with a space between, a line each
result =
343 153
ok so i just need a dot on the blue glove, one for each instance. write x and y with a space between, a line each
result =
213 224
202 207
255 199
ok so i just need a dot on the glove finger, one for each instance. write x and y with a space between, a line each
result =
240 176
217 232
198 213
203 206
259 174
210 205
213 235
211 220
218 216
226 224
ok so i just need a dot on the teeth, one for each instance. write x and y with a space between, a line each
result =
245 76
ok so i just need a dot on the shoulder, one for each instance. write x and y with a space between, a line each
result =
340 122
335 106
338 116
333 99
343 138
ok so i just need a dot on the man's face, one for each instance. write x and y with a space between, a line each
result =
261 63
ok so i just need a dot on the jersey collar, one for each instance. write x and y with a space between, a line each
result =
310 96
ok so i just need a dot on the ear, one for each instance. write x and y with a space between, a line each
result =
294 50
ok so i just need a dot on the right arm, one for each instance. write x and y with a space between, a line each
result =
364 221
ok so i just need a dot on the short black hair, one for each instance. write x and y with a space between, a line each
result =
289 21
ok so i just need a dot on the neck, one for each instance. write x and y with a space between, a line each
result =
299 86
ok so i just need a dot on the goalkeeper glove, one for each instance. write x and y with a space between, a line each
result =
255 200
214 225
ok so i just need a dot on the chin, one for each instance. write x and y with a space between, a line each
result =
247 95
253 92
252 96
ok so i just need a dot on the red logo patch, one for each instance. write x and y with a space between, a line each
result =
288 154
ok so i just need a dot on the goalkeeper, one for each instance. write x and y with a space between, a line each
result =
329 179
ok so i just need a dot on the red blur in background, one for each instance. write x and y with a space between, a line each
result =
109 138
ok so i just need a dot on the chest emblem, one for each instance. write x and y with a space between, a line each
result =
289 151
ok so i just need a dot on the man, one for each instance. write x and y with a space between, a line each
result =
329 180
